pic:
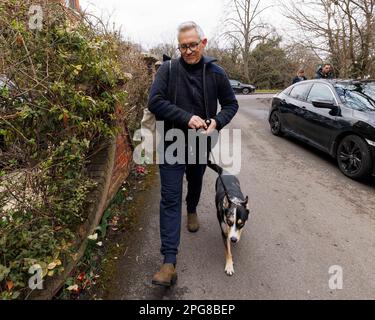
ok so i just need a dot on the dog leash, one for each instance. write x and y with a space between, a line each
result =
219 170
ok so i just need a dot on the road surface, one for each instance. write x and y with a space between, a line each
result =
306 217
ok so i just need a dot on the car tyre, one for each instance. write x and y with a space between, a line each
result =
246 91
354 157
275 124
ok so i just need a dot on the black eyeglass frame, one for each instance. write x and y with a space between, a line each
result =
185 47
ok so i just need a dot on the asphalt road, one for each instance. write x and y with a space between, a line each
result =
306 217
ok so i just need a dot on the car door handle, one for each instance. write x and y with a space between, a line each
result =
304 108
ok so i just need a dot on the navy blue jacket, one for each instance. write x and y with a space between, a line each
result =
216 87
298 79
321 75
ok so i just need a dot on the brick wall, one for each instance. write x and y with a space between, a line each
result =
123 157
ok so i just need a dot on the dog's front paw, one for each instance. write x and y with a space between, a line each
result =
229 269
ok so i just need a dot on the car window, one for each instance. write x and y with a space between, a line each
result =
320 91
356 100
287 91
300 91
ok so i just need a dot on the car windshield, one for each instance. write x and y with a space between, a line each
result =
369 89
358 96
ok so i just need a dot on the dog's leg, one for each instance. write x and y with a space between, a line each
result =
229 270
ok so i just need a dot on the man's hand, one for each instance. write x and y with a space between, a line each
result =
212 127
197 123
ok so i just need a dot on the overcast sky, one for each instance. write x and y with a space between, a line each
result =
150 22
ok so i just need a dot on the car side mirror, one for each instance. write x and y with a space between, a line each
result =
324 104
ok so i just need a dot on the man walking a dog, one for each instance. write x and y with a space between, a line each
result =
184 95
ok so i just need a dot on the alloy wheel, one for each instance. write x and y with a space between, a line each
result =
350 157
275 123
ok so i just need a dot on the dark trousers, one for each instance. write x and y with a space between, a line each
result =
172 177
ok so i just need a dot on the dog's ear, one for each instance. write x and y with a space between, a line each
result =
226 202
246 203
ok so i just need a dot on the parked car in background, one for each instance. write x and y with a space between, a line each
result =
239 87
335 116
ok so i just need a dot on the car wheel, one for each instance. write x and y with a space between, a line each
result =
275 124
354 157
246 91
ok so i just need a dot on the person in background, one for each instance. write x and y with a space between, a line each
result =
325 72
300 76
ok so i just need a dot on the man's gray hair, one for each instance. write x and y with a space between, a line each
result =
190 25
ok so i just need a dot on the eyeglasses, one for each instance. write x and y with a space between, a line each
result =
192 46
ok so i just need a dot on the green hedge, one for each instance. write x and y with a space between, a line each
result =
67 79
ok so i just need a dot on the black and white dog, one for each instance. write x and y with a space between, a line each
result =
232 212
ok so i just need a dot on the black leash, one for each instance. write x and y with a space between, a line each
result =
219 170
214 167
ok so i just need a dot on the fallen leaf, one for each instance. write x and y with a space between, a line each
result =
73 288
140 170
10 285
93 237
52 266
58 262
19 40
81 276
51 273
87 283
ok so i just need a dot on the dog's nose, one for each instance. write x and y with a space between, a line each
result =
233 239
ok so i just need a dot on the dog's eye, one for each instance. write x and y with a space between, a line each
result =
240 224
230 223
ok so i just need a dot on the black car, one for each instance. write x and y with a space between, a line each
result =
239 87
335 116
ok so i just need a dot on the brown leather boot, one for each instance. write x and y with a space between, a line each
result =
166 277
193 222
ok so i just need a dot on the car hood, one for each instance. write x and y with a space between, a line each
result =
368 116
